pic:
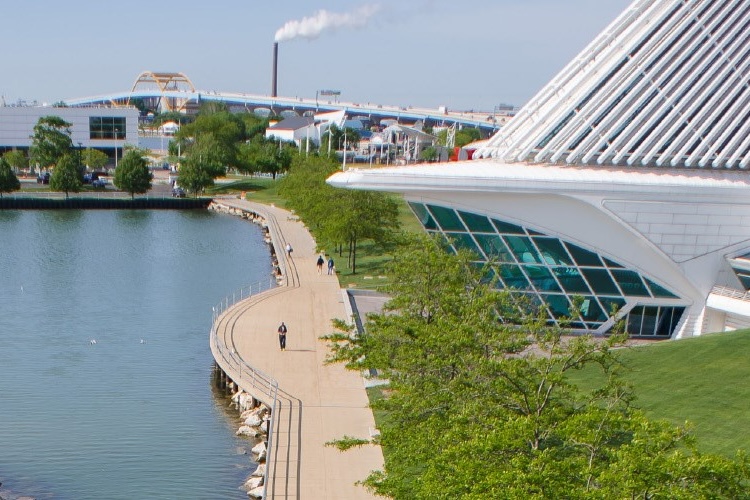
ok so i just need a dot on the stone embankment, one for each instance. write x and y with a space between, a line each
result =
255 422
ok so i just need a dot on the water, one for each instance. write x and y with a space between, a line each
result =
120 418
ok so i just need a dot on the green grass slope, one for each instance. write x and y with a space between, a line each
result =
704 381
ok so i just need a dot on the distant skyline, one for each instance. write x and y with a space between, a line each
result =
465 55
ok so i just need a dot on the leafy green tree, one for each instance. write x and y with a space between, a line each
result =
266 155
51 140
194 177
339 217
255 126
463 137
17 159
338 137
226 129
8 180
94 159
132 174
480 405
209 154
66 176
429 153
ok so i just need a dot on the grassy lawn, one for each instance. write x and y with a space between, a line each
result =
259 189
702 380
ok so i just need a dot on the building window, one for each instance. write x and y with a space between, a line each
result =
550 272
107 127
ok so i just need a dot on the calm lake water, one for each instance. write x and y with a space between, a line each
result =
119 419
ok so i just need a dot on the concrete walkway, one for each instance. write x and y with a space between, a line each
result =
317 403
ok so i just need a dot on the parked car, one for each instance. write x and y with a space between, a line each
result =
178 192
43 178
99 183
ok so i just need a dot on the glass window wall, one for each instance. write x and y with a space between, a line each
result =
552 273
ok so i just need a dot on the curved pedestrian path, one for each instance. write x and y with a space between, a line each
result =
316 403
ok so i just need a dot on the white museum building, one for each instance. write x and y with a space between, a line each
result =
624 181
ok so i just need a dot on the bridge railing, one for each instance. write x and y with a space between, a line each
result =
726 291
248 378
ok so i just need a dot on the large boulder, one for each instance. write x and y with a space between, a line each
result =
253 420
256 493
248 431
260 451
259 471
253 483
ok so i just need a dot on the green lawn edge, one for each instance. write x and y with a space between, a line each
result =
701 380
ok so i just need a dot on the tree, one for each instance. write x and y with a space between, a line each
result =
132 174
94 159
463 137
226 130
338 137
339 217
8 180
429 153
266 155
17 159
194 177
51 140
479 404
66 176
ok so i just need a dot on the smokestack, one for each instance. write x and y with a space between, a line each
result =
274 69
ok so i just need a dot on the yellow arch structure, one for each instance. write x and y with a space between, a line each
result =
165 82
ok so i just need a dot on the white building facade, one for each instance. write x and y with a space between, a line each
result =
621 182
103 128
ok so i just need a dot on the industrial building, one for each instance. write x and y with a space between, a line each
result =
622 182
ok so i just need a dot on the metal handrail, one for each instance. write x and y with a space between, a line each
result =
726 291
258 380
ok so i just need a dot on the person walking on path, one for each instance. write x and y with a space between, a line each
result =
289 249
282 336
330 265
320 264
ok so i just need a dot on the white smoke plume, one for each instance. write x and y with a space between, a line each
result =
311 27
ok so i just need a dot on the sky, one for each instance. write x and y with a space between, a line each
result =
466 55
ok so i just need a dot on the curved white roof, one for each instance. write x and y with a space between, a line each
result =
664 85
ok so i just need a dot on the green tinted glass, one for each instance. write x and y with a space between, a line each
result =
600 281
513 277
507 228
541 278
553 253
558 305
446 218
476 223
630 283
424 217
523 250
583 257
570 279
659 291
493 247
464 241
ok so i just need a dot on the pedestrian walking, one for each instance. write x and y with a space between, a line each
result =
289 249
282 336
320 264
330 265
